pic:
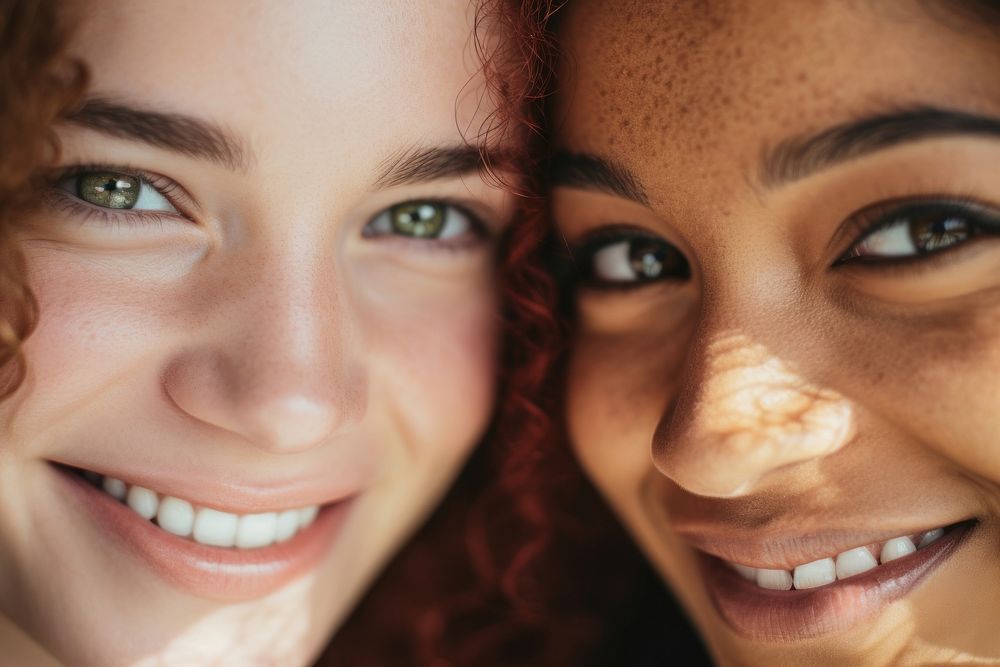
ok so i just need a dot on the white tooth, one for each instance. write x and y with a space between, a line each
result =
257 530
929 537
745 571
114 487
817 573
143 502
775 580
215 528
855 561
176 516
288 525
307 515
895 548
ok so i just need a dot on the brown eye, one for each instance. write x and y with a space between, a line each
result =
627 257
422 220
923 229
108 189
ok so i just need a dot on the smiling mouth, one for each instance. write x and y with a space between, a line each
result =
846 564
828 594
207 551
204 525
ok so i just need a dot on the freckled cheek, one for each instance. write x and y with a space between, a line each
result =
944 399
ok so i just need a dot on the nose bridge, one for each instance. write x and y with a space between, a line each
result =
278 363
742 413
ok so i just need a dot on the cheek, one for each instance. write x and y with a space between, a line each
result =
432 362
938 381
94 326
619 388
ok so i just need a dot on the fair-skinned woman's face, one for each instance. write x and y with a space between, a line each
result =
786 223
266 338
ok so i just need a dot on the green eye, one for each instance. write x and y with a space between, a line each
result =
108 189
422 220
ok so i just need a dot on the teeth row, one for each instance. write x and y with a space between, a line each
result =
208 526
827 570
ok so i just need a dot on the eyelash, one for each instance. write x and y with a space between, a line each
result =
119 218
984 220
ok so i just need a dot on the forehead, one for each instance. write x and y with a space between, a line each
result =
655 84
331 74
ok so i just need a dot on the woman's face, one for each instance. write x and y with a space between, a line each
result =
267 322
786 220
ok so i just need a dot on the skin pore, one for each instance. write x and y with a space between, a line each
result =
785 222
265 275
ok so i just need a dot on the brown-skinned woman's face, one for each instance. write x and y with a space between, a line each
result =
786 224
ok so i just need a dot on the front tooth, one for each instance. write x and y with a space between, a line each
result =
895 548
257 530
745 571
775 580
176 516
288 525
114 487
930 536
215 528
817 573
855 561
143 501
307 515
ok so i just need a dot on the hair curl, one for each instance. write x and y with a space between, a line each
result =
38 84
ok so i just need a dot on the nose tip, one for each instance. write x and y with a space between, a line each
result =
750 416
289 423
283 410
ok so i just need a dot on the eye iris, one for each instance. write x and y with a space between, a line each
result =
109 190
419 220
938 232
651 259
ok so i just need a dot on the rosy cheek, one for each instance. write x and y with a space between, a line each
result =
436 367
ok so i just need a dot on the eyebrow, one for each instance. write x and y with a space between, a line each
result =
418 165
590 172
797 158
176 132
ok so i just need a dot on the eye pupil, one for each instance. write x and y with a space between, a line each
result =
108 190
420 220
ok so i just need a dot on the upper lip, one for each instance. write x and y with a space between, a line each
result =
232 494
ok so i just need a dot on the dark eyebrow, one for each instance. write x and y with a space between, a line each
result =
417 165
177 132
589 172
799 157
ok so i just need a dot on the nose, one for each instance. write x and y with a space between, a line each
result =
743 414
276 363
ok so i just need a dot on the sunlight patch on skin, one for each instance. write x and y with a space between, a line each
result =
277 627
753 408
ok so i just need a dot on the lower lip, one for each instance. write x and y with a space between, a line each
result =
230 575
785 616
